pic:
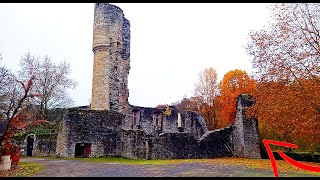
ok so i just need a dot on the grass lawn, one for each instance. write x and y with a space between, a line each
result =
24 169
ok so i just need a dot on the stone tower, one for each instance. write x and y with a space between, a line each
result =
111 48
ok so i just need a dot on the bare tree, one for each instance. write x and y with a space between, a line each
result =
51 81
15 96
206 90
288 51
16 120
9 92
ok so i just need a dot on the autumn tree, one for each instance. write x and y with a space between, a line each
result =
289 50
234 83
15 118
52 81
187 104
286 63
206 90
17 121
282 116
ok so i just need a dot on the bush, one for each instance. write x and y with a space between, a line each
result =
298 156
305 156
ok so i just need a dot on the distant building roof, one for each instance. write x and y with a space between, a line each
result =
82 107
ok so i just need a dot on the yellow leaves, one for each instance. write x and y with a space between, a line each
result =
167 112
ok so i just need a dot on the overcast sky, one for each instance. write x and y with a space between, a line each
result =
170 43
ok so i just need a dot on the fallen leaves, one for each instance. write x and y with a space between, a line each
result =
24 169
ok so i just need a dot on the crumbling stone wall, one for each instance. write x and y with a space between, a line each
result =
134 144
192 122
124 67
240 139
100 128
45 145
112 134
217 143
180 145
245 135
175 146
137 145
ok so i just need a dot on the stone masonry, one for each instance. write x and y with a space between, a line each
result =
111 48
113 127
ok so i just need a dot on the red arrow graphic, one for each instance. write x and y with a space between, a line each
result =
285 157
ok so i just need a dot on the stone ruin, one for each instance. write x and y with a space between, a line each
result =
113 127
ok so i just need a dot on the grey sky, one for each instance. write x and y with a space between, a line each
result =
170 43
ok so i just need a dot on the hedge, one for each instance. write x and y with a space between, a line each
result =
298 156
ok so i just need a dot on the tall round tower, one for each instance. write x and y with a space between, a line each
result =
108 82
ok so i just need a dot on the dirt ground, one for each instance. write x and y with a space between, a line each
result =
75 168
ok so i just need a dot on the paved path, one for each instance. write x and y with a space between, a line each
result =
75 168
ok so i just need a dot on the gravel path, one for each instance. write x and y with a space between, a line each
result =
75 168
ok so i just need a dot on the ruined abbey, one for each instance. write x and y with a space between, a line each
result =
111 126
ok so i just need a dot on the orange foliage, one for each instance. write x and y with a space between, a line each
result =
234 83
286 64
284 114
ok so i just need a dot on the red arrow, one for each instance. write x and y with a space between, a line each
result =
285 157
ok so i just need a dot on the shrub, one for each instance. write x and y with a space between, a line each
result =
298 156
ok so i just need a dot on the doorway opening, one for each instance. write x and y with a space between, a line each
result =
82 150
30 142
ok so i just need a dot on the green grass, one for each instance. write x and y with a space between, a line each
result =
24 169
136 161
28 168
123 160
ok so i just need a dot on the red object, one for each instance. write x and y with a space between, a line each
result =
285 157
87 150
15 159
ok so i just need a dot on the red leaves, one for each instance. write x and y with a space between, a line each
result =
17 121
